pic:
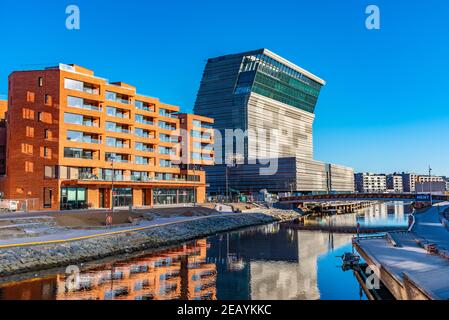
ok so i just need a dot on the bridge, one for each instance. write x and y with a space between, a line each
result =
364 197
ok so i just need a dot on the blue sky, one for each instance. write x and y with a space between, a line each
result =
385 106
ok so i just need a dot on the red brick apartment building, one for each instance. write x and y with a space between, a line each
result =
72 137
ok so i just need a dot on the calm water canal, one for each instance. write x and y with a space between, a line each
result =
267 262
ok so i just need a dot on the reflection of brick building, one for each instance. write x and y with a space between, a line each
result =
180 273
72 133
3 108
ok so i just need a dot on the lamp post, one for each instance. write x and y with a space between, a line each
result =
109 218
430 185
194 185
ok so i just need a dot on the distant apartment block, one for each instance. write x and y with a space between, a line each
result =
370 183
424 178
409 181
261 92
395 183
71 134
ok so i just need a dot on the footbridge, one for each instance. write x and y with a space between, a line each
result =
364 197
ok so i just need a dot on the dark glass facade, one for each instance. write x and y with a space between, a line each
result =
270 78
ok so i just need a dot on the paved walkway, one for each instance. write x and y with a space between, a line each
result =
429 227
430 272
73 235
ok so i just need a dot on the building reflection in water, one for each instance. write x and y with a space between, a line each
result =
268 262
277 263
379 214
181 273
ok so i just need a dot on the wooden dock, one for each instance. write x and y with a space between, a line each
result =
408 271
344 229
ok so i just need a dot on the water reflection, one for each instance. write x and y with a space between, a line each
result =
379 214
268 262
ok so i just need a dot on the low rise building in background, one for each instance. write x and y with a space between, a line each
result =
395 183
370 182
409 182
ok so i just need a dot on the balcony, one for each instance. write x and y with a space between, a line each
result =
85 140
117 97
143 106
167 114
106 177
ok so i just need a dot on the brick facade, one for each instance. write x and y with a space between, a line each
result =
71 135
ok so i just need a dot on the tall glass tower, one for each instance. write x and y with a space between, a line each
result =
273 101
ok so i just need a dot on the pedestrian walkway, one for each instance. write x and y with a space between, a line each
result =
80 234
428 226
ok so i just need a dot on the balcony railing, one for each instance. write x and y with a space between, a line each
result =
147 122
86 140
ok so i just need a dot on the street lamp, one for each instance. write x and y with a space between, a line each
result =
230 161
194 185
112 159
430 185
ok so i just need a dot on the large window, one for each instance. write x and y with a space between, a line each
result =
75 102
172 196
123 197
73 85
73 118
73 198
78 153
75 136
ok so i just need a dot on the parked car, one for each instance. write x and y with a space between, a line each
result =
8 205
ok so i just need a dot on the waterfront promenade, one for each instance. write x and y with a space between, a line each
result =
404 261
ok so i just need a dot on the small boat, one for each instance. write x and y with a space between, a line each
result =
350 260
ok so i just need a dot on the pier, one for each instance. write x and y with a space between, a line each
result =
412 265
338 207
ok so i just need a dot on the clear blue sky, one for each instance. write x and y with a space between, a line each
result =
385 107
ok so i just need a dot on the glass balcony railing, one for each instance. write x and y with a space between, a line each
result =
91 90
147 122
119 130
106 177
144 149
84 139
89 124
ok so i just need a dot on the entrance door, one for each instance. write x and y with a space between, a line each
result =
101 200
123 197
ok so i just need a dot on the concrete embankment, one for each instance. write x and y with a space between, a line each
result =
17 260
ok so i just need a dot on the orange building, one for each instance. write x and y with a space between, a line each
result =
3 109
72 137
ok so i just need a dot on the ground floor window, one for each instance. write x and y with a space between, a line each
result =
48 197
73 198
172 196
123 197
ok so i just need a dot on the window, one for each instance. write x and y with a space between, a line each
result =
39 116
141 160
111 96
48 197
75 102
73 84
74 136
46 152
47 99
47 134
40 82
50 172
73 118
78 153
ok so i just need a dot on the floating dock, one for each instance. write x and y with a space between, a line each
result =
407 269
